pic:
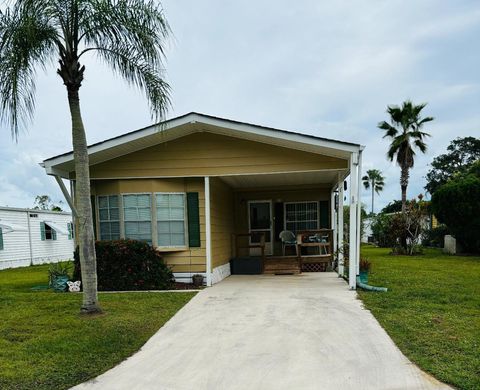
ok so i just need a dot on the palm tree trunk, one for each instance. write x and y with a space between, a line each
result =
373 194
86 240
404 184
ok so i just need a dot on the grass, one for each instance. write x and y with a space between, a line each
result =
431 310
46 344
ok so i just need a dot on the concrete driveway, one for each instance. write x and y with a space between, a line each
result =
269 332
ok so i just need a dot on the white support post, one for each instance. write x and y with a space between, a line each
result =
352 256
208 232
333 221
359 211
340 228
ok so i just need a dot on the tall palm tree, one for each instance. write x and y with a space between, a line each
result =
128 35
373 179
405 133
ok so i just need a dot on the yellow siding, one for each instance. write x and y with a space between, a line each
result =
190 260
205 154
222 221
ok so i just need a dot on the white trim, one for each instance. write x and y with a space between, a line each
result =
359 211
221 272
208 231
352 255
346 170
270 202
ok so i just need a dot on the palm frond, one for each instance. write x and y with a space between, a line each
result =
27 43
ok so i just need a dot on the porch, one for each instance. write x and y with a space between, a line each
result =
249 213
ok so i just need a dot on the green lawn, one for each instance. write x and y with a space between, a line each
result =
46 344
431 311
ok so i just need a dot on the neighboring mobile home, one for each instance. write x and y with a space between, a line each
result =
190 184
29 237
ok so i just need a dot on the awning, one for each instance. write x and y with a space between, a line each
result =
57 228
8 227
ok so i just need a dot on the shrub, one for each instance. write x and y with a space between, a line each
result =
381 231
435 237
128 265
456 204
365 265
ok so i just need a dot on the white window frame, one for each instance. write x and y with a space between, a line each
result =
153 220
120 214
185 221
299 202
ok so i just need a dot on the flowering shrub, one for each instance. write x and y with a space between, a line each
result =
125 265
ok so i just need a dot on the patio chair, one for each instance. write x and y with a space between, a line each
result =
288 239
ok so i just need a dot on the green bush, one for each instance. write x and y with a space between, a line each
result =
125 265
435 237
381 231
456 204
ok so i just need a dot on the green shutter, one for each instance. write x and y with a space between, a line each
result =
42 231
193 215
54 233
1 239
70 230
324 217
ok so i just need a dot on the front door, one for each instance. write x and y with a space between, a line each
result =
260 221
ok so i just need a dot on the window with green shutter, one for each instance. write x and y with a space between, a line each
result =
1 239
47 232
70 230
193 217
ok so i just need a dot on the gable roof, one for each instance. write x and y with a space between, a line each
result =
195 122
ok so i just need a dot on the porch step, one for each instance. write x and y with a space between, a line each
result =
281 266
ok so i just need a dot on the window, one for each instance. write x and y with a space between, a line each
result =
47 232
138 217
301 216
171 219
109 217
70 230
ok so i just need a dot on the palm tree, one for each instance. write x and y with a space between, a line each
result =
128 35
405 133
375 180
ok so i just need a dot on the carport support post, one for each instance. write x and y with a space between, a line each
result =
359 210
208 232
333 220
352 255
340 229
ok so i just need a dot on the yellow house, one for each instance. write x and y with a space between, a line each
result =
192 185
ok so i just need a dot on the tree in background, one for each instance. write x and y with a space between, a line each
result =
405 133
127 35
44 202
461 154
456 204
374 180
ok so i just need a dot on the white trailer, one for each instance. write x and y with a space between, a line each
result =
29 237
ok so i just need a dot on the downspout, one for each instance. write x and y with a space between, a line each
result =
29 238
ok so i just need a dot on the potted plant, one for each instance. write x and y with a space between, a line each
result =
197 280
58 276
365 266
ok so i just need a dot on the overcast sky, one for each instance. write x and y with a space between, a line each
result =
327 68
